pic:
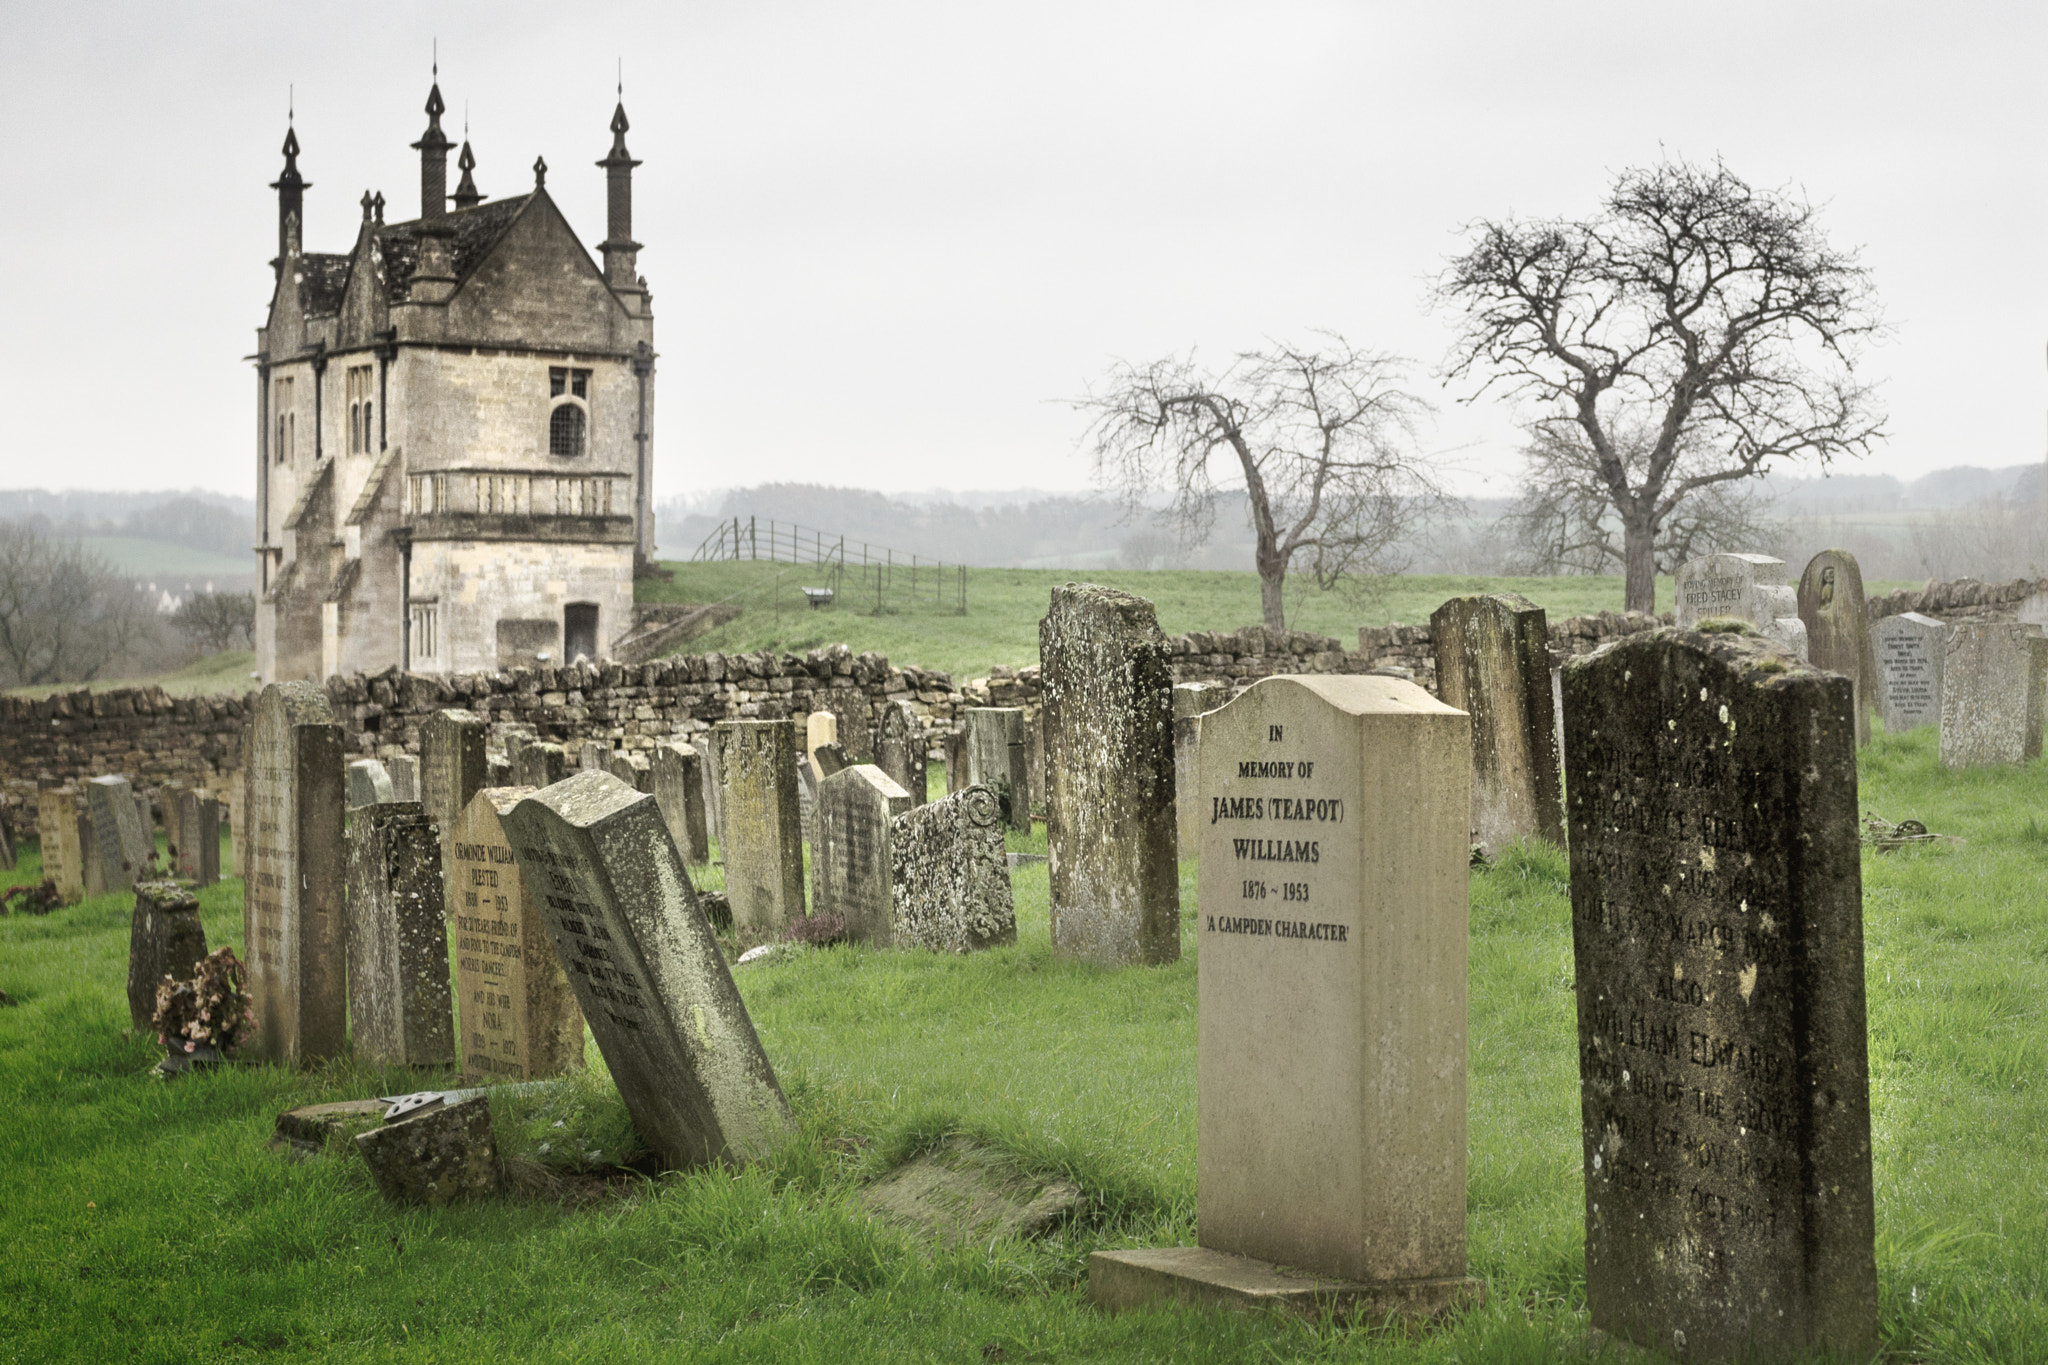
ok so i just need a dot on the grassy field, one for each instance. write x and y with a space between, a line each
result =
212 676
145 1221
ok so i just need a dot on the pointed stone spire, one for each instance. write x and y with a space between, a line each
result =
433 149
378 205
621 252
291 190
540 172
466 196
368 204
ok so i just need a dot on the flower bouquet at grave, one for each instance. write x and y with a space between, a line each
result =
200 1020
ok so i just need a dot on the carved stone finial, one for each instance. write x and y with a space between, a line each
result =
540 172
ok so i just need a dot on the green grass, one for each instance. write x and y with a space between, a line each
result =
213 676
162 558
145 1221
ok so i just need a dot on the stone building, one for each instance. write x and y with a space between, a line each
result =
455 430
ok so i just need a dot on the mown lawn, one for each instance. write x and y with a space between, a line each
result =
145 1221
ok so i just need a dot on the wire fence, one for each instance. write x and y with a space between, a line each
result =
861 576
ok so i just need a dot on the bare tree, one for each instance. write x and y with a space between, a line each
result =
63 614
1717 311
1321 439
214 621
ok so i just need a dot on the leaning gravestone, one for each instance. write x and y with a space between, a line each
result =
1717 927
398 999
676 780
1991 694
763 834
198 822
292 907
1749 588
519 1017
820 727
999 758
1838 627
368 784
1190 702
122 853
453 763
541 765
405 777
900 752
165 938
1110 822
58 833
950 878
850 862
1493 663
1331 1008
1909 649
646 967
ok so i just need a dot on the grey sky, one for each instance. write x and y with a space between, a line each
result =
887 240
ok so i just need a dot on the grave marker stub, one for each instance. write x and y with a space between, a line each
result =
368 784
1493 663
1717 930
763 836
1190 701
632 769
1749 588
900 750
293 924
541 765
950 878
198 822
676 780
122 852
850 862
1110 806
1909 650
405 777
595 757
999 757
519 1018
1838 627
58 820
397 938
646 968
165 938
453 763
1993 675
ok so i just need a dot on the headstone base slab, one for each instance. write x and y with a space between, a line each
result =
436 1157
1199 1277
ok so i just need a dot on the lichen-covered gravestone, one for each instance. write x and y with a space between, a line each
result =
541 765
1331 1008
763 834
397 938
1190 701
1838 627
58 820
453 764
198 823
292 908
404 771
165 938
1992 681
950 878
632 769
1910 650
368 784
900 752
1717 928
998 757
676 779
1493 663
435 1157
1110 805
519 1018
647 970
850 865
1749 588
122 852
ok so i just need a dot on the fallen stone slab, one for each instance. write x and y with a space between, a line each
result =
436 1156
312 1129
962 1192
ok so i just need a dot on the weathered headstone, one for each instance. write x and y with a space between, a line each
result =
820 727
198 837
435 1157
497 772
632 769
900 751
850 861
1493 663
404 771
806 798
714 789
1110 807
59 833
1749 588
170 796
519 1017
950 878
368 784
956 762
676 779
1330 1004
122 852
541 765
1717 928
594 757
1992 679
165 938
293 924
238 830
398 997
646 967
999 758
829 758
1190 701
1838 627
763 835
6 841
1910 650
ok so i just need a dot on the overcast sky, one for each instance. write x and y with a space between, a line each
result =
887 241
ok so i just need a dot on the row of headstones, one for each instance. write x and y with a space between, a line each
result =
101 839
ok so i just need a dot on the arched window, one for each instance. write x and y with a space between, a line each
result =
565 430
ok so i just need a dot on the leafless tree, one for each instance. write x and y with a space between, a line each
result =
1322 440
216 621
1718 312
63 614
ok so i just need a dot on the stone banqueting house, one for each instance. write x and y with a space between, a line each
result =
152 738
455 424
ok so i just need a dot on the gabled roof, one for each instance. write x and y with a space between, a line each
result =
477 230
325 278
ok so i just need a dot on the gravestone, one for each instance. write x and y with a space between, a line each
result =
956 762
519 1018
1330 1006
1190 701
541 765
763 835
594 757
899 750
714 789
1749 588
453 764
1909 650
999 758
497 772
1493 663
1717 928
1110 805
293 924
122 851
368 784
1838 627
6 841
198 837
646 967
806 798
60 834
632 769
2033 608
820 727
171 797
404 770
829 758
676 779
437 1156
850 861
950 877
165 938
398 999
238 805
1992 680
